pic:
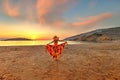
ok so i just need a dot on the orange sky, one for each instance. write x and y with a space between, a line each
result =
25 30
42 19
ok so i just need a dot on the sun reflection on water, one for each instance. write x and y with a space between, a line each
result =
30 43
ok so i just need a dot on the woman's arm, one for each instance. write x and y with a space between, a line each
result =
51 42
63 41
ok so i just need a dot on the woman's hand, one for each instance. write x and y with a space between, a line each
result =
66 43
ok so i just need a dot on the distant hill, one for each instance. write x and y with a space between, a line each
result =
17 39
100 35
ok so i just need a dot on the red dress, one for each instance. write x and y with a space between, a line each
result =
56 49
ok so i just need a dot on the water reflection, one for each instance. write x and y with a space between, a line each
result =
30 43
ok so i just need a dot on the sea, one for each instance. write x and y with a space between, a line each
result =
33 43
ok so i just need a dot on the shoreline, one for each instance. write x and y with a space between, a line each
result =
80 61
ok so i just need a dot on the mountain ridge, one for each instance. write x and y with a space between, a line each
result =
16 39
98 35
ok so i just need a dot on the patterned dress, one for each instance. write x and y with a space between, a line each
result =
55 50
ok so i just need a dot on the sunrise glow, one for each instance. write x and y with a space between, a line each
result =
42 19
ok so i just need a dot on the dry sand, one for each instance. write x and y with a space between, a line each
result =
93 61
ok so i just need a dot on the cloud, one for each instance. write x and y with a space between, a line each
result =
58 23
30 10
46 12
10 10
49 12
93 20
43 7
52 10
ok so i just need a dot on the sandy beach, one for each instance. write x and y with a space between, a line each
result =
92 61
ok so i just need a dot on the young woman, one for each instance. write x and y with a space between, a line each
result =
56 49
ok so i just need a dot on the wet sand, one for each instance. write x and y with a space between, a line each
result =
92 61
